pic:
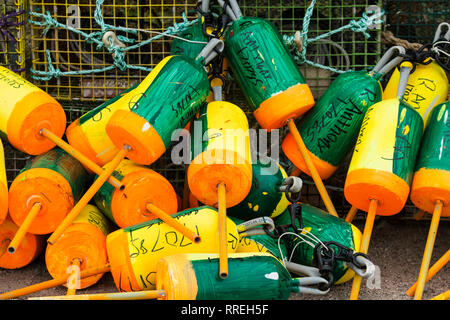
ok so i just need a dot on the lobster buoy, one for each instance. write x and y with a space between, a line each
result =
134 251
55 181
224 157
180 86
253 276
26 110
266 72
331 128
29 249
84 240
324 227
427 87
3 186
383 160
430 190
382 166
431 179
127 207
264 197
191 48
87 133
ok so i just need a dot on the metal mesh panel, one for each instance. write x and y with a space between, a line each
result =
12 35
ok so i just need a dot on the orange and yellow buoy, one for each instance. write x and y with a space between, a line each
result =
430 190
52 183
134 251
127 207
81 246
25 111
30 247
3 186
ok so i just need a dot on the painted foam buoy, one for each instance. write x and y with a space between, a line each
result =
324 227
430 190
384 157
255 276
330 129
26 109
223 156
3 186
427 87
264 197
30 247
266 72
382 166
84 240
178 88
127 207
193 47
134 251
431 180
87 134
56 181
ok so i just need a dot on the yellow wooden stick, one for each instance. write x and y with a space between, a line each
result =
368 227
76 264
438 265
173 223
52 283
223 246
110 167
137 295
442 296
22 231
428 250
80 157
311 167
351 214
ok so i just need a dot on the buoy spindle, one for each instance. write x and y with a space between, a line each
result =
15 242
101 179
223 249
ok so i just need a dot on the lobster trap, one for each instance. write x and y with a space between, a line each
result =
12 35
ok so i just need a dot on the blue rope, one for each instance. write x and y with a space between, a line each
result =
118 52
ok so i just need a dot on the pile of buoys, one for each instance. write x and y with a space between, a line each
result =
94 204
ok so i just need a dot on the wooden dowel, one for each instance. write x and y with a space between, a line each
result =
110 167
311 167
80 157
137 295
223 245
173 223
23 229
351 214
428 250
368 227
52 283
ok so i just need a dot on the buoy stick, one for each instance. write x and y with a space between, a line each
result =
428 250
22 231
223 249
438 265
52 283
351 214
137 295
442 296
76 264
110 167
312 169
419 215
173 223
79 156
364 245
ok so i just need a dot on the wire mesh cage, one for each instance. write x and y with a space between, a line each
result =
78 93
12 35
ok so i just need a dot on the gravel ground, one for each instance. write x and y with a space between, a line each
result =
396 248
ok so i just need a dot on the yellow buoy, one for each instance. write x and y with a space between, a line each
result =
83 243
25 111
134 251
